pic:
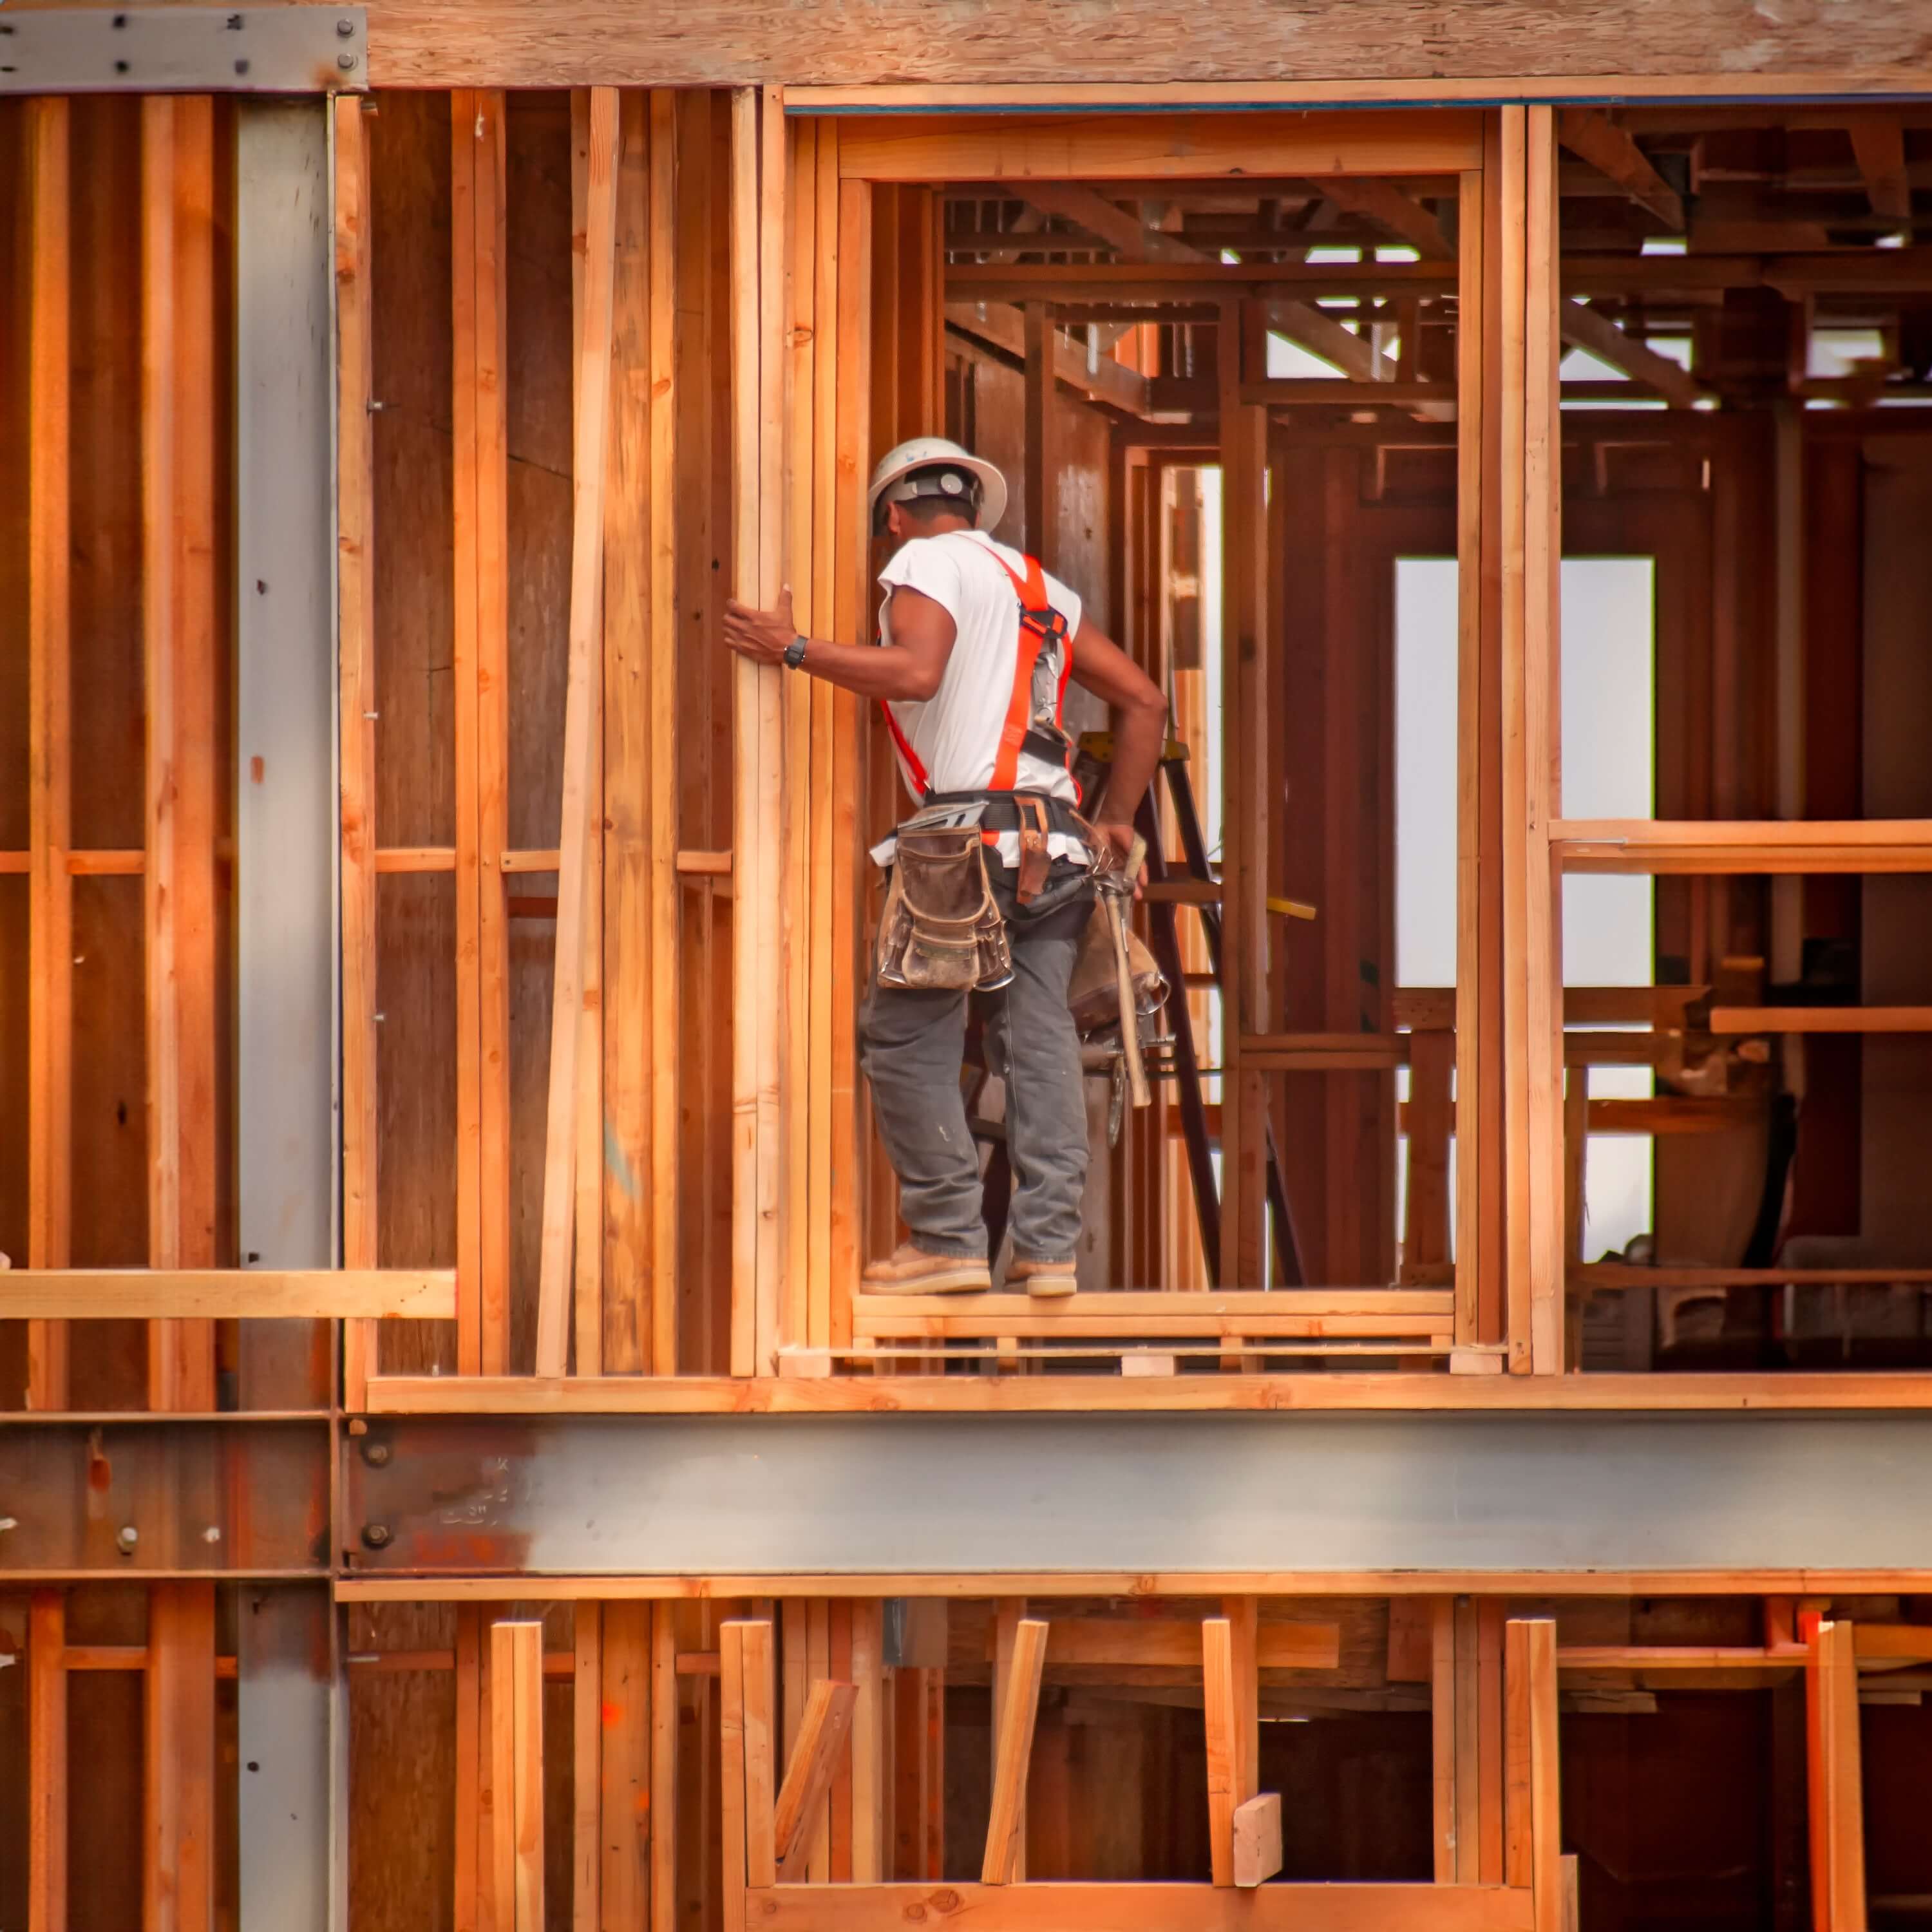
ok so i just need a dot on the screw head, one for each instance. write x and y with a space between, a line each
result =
376 1454
376 1536
126 1537
345 61
345 27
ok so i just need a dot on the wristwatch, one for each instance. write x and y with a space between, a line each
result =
794 653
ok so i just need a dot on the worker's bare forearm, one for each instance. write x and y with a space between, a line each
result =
870 671
1140 732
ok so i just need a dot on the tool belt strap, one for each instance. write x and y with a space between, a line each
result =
1006 812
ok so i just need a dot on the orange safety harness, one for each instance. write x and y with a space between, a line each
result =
1040 625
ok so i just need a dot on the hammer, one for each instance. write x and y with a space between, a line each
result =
1130 1027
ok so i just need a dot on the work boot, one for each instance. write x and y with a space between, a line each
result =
1043 1279
911 1271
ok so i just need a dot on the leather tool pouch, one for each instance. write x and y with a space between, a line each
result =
1033 858
1093 992
941 930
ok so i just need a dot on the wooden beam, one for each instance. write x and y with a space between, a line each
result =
470 1892
1836 1778
1220 1705
660 1823
479 306
179 627
1530 1677
1613 152
1588 329
49 674
1257 1835
1317 331
517 1775
1012 1750
661 693
212 1294
1042 454
756 236
822 1735
1244 437
179 1798
1120 228
1878 142
355 679
1737 1020
1130 147
1149 1908
46 1763
587 1709
1145 1643
624 1719
591 444
1662 846
999 326
586 1266
1385 204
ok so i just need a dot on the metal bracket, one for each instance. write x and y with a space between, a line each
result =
150 49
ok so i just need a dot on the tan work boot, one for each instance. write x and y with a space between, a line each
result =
911 1271
1044 1280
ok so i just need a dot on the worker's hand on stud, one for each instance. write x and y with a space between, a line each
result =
764 636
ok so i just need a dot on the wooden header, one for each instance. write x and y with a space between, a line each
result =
1630 48
1133 147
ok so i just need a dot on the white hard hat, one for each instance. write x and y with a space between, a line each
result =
956 470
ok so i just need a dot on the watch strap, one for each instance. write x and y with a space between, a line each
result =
794 652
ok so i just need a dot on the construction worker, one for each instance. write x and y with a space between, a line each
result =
976 644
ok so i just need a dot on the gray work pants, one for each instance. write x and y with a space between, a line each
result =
912 1046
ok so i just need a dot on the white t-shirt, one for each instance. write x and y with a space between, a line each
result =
949 741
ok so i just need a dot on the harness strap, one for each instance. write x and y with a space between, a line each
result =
1039 624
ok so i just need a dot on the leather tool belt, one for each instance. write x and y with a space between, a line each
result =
1033 815
941 930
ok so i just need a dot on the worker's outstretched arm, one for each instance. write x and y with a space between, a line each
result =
1140 728
907 669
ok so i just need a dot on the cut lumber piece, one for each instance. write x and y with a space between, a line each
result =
1612 151
1878 141
1258 1839
1588 328
1384 203
517 1775
1147 1908
1012 1750
591 444
822 1735
49 676
1223 1724
226 1294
